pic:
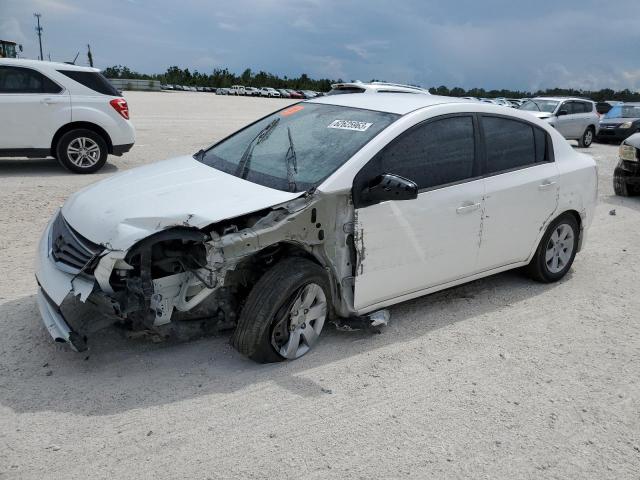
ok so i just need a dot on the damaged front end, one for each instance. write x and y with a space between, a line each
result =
185 272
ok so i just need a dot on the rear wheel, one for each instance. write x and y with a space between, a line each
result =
82 151
556 251
587 138
284 313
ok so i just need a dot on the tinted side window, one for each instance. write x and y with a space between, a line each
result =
93 80
509 143
435 153
587 107
25 80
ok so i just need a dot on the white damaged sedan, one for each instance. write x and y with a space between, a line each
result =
334 208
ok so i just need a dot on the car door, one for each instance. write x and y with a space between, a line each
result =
570 125
521 190
33 108
408 246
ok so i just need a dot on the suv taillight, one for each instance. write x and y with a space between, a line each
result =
120 106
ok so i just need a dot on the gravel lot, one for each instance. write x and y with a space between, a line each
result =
500 378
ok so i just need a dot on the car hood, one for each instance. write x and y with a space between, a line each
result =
634 140
127 207
617 121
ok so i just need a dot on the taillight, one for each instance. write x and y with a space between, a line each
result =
120 105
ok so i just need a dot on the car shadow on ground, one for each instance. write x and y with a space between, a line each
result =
37 167
118 373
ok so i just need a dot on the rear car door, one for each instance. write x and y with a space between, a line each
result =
521 189
408 246
33 108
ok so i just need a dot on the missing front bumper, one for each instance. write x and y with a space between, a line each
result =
56 324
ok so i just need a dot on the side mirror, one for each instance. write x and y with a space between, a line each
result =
561 113
388 187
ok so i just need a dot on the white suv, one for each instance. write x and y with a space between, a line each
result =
65 111
375 87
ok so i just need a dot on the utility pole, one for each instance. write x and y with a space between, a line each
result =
89 55
39 32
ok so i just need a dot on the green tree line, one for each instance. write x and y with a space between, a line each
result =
222 77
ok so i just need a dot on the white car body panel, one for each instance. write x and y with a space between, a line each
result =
517 206
180 191
30 120
417 244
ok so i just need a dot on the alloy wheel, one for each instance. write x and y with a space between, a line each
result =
559 248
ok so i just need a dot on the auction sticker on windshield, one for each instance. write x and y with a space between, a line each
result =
350 125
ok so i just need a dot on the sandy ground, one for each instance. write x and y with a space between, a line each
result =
501 378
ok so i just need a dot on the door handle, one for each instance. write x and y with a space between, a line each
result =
467 207
547 184
48 101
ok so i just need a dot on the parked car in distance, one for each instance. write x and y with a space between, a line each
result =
606 105
307 94
237 90
620 122
251 91
269 92
295 94
305 215
222 91
64 111
574 118
374 87
284 93
626 176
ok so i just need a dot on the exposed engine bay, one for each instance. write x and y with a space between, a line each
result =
182 273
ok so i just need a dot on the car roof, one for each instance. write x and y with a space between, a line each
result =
560 99
400 103
23 62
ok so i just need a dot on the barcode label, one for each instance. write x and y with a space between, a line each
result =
350 125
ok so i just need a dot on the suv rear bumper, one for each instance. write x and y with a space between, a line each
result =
118 150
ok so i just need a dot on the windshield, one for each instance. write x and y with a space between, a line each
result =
548 106
624 111
295 149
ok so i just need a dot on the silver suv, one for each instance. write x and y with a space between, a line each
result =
575 118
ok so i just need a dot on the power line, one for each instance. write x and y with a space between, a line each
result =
39 32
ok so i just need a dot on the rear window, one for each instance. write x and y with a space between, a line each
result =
512 144
340 91
93 80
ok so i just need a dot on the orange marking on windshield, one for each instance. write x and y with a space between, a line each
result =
291 110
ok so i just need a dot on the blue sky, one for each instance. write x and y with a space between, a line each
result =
491 43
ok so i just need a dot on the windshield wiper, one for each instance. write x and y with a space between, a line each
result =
292 163
245 162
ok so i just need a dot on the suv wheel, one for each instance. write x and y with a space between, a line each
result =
556 250
587 138
82 151
284 313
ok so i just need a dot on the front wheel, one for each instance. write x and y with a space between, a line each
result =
82 151
556 251
587 138
284 313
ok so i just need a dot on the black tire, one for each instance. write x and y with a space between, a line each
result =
538 268
269 300
620 186
68 162
587 137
